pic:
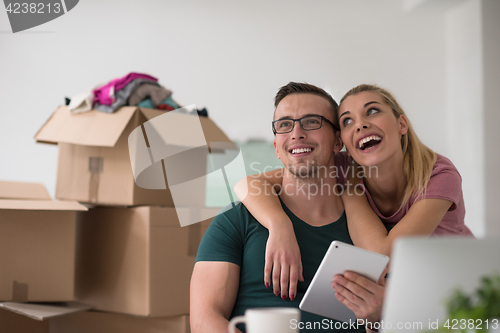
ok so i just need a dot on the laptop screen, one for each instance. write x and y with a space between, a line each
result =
425 271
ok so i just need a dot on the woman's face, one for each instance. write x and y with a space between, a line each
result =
370 130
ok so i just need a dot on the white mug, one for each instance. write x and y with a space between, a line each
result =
268 320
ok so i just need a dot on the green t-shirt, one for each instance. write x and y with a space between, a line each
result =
236 236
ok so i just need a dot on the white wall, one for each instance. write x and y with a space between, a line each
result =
491 134
473 82
228 56
464 105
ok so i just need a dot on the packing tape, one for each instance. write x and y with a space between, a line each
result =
95 168
19 292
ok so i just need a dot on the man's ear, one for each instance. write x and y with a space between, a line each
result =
338 143
276 149
403 125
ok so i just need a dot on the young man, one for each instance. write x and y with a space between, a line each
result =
227 277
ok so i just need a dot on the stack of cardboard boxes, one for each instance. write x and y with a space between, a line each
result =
127 257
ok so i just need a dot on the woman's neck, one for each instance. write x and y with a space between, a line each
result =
388 182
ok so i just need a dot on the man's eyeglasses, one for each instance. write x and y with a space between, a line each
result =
308 123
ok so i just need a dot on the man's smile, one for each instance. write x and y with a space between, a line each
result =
301 150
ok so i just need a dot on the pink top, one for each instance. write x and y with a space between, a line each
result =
106 94
445 183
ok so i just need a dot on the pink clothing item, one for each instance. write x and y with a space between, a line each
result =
106 94
445 183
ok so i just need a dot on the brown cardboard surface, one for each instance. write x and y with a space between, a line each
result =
136 260
91 128
112 184
11 322
92 322
43 311
21 190
37 250
37 254
101 129
103 322
33 205
94 164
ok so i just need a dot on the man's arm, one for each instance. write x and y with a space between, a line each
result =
214 287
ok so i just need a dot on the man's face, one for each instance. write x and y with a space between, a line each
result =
303 151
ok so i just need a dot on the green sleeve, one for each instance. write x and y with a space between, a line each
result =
224 239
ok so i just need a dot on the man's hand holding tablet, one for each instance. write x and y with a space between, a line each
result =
361 296
353 272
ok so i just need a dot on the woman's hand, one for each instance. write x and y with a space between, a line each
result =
361 295
283 265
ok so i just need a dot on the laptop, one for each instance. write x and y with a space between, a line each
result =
425 271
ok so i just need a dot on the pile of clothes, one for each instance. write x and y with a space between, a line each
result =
134 89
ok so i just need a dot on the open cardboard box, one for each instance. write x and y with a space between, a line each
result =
137 260
37 244
74 317
94 165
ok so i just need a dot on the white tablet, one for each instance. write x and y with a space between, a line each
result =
340 257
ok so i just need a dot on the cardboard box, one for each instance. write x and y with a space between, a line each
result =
105 322
137 260
55 319
37 244
11 322
44 311
94 165
23 191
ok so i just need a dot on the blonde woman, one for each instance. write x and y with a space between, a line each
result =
407 189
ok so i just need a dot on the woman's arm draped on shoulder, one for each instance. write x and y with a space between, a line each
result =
258 194
367 230
283 263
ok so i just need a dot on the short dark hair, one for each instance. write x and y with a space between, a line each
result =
306 88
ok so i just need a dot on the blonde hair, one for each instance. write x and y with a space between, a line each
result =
418 159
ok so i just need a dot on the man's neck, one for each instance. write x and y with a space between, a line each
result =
315 200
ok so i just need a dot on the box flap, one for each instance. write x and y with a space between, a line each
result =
189 137
93 128
212 132
42 311
182 123
151 113
41 205
27 191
